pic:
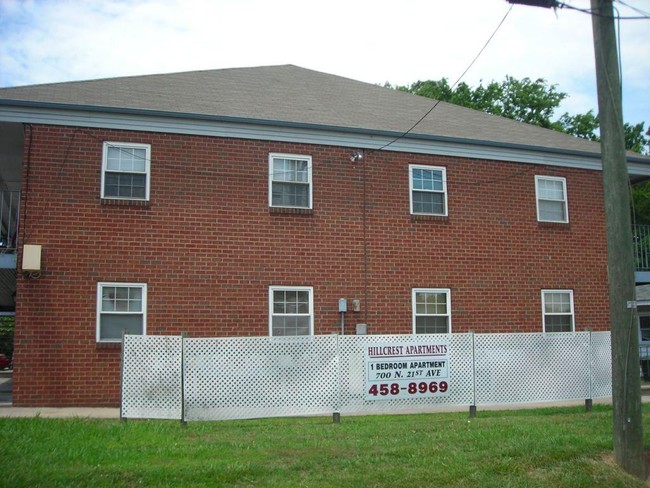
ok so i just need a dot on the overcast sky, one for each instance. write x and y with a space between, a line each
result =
399 41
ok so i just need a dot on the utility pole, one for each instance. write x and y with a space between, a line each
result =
626 382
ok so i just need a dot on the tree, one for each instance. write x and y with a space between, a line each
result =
534 102
584 126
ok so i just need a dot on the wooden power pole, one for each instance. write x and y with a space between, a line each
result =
626 382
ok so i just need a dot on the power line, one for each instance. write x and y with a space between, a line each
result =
616 16
637 10
452 86
555 4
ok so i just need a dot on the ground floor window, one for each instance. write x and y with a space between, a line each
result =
291 311
557 310
121 307
431 310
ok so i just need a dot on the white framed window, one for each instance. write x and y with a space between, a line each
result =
291 311
126 171
428 190
557 311
121 307
551 195
290 182
431 310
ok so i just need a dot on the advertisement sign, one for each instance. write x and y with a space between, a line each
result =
407 370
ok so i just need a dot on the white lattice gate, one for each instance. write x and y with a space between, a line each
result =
234 378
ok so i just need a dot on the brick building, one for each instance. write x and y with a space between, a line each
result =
247 202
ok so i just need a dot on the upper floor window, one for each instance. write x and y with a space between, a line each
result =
431 311
557 310
125 171
290 181
551 199
428 188
291 310
121 307
644 330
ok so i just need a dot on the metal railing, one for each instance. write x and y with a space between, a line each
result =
641 235
644 357
9 210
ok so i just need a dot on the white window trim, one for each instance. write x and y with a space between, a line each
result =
444 188
309 289
272 156
147 171
544 314
566 198
100 286
414 315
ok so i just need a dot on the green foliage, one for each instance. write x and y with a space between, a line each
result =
524 100
635 137
550 447
641 203
7 336
530 101
580 125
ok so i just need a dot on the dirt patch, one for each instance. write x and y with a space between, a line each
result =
609 460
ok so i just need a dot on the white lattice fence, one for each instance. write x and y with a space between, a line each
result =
228 378
524 368
601 364
259 377
151 377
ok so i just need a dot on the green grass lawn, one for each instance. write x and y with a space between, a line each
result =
550 447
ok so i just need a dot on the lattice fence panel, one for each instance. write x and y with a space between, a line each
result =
353 385
236 378
228 378
521 368
601 344
151 377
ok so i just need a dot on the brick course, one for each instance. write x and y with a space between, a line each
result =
208 246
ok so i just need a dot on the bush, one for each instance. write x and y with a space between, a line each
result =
7 336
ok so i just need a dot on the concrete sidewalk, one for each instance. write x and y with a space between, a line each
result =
114 413
60 412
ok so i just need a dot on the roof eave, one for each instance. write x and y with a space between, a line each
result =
289 124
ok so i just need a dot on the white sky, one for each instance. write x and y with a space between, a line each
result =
399 41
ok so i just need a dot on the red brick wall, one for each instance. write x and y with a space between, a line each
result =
208 247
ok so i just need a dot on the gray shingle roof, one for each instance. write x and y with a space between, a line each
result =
290 94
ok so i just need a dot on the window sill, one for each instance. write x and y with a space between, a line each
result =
117 202
553 225
289 210
108 345
429 218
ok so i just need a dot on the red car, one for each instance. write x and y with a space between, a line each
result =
5 362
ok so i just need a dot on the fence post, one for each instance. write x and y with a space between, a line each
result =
122 417
184 336
336 416
472 407
589 399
